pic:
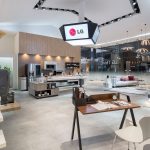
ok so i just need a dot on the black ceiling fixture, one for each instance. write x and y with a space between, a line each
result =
134 5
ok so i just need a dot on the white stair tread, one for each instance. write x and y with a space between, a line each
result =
2 140
1 117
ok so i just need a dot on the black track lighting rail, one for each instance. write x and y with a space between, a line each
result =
134 5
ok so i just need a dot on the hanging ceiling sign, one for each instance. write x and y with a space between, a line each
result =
84 33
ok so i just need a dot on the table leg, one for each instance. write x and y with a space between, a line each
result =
73 126
123 118
133 118
131 112
78 127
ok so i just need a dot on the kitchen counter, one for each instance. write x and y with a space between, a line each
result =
51 86
64 78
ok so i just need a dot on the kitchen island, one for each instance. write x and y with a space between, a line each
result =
50 87
62 81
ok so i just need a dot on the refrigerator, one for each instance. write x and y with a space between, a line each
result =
32 71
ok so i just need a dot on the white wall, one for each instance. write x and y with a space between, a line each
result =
45 30
7 46
7 53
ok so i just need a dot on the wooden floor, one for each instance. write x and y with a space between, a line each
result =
10 107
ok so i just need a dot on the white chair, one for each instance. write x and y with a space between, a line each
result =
2 140
135 134
2 137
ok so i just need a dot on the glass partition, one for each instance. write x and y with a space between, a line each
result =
129 59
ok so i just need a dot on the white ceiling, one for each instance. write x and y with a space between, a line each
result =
21 12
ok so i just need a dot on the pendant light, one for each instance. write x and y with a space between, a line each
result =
145 42
141 50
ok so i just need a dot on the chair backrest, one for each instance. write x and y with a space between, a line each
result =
145 126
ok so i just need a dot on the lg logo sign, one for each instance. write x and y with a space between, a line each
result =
73 31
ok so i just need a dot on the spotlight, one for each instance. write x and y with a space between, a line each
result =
130 15
43 8
118 19
134 3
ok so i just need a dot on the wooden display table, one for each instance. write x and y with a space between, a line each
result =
106 98
10 107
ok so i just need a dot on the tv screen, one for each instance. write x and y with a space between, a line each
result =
83 33
79 31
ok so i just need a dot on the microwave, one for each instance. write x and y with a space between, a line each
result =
50 67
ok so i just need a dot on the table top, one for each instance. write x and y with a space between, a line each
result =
88 109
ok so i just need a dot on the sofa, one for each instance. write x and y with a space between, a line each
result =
121 81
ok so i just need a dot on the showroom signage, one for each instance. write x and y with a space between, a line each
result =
83 33
76 31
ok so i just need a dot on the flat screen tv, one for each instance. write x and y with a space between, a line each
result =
84 33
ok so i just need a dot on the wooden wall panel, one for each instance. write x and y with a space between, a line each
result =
42 45
35 44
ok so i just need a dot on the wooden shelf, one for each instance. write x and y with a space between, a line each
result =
39 97
10 107
52 92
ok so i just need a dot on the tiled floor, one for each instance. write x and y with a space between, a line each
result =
45 124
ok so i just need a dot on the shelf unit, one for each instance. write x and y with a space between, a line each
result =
43 90
69 65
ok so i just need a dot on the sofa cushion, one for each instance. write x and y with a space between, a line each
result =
124 78
131 78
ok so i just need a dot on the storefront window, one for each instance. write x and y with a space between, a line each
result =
115 59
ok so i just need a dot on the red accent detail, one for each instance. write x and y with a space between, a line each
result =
131 78
72 32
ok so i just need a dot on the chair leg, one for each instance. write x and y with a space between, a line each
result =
134 146
114 142
128 146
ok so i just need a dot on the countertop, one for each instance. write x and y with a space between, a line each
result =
58 78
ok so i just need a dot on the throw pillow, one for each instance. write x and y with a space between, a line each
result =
131 78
